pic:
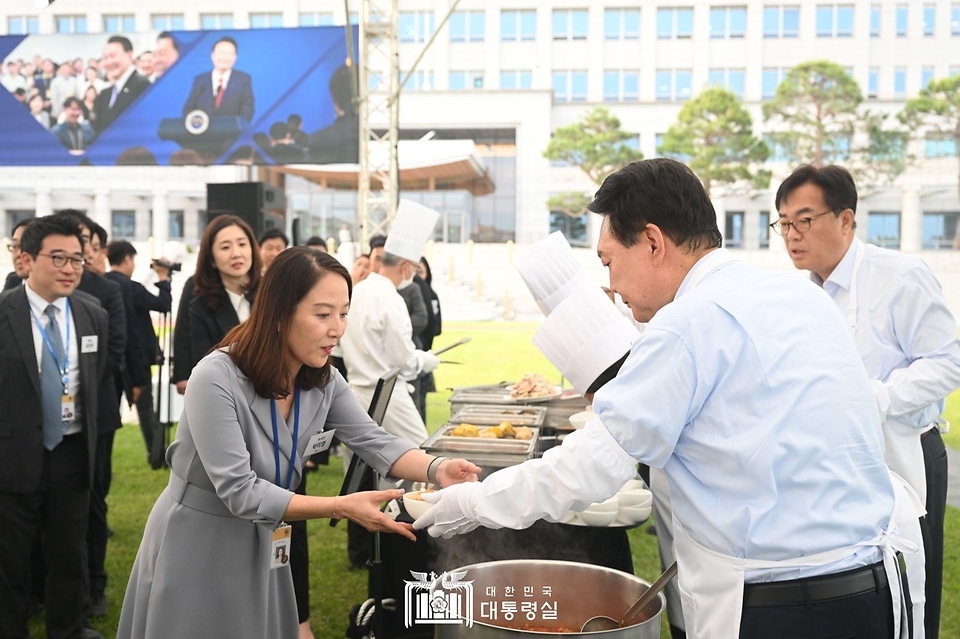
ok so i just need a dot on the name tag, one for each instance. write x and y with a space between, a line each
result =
68 408
280 548
88 344
319 442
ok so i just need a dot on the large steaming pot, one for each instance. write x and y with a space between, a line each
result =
581 591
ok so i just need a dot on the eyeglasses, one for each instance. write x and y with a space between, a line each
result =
801 225
59 261
13 248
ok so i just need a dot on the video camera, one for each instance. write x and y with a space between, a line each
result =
170 266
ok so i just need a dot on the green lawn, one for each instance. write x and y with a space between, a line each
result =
498 352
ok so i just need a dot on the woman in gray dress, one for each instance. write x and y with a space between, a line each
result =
208 564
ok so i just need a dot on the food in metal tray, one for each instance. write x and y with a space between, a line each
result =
465 430
524 433
532 385
504 430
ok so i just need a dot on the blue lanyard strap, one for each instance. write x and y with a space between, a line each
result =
64 366
276 436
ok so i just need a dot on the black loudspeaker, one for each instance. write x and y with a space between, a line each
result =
260 205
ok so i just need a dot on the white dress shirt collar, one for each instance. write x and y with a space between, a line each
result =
702 268
241 305
842 275
122 81
217 76
39 305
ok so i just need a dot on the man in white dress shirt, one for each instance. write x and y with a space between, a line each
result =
904 331
747 389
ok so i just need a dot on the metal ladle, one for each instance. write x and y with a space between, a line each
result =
602 622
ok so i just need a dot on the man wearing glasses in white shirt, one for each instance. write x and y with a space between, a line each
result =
904 331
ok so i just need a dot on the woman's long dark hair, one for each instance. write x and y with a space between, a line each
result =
207 284
256 346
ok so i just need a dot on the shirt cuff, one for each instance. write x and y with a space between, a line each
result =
274 504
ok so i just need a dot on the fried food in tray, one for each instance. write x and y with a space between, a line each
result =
504 430
532 385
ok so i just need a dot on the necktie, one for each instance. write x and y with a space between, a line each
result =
113 96
219 94
51 384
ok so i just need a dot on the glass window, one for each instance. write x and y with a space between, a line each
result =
791 22
735 82
940 147
560 24
873 82
475 79
715 78
631 85
508 26
684 81
899 82
478 26
926 75
458 80
23 25
657 143
883 229
508 79
901 20
265 20
733 238
176 225
769 81
611 24
738 22
875 21
718 23
119 24
664 85
940 231
458 26
771 22
526 79
824 21
664 23
580 22
15 25
71 24
173 22
764 229
954 71
407 26
528 25
560 86
631 24
578 86
611 86
124 224
684 23
844 21
955 20
929 19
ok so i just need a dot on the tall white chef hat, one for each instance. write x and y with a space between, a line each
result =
585 335
552 272
412 227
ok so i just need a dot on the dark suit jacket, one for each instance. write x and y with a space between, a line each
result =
105 115
21 413
182 345
237 97
338 143
107 294
141 336
13 281
208 328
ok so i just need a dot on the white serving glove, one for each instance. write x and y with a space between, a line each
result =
453 513
430 362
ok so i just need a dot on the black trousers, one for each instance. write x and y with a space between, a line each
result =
150 423
300 561
867 616
97 524
57 514
935 462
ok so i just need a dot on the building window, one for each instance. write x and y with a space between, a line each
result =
764 229
941 231
954 71
420 81
781 22
569 86
621 24
516 80
119 24
834 21
266 20
902 20
733 238
728 22
123 225
316 20
467 26
23 25
518 25
883 229
770 81
837 149
955 20
570 24
415 26
900 82
574 229
875 21
621 86
873 83
176 225
939 146
674 23
460 80
216 21
926 75
732 79
71 24
929 19
167 21
674 85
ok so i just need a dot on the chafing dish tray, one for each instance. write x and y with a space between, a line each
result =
489 454
492 414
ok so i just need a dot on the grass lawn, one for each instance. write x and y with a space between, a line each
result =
498 352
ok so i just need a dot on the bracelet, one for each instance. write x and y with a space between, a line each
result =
433 468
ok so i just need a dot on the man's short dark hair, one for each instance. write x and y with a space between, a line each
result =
294 121
169 36
377 241
836 183
118 250
100 232
22 222
274 234
316 240
122 41
279 130
227 39
41 227
71 100
20 92
662 192
341 89
79 216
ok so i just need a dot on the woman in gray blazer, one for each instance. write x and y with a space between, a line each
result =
208 564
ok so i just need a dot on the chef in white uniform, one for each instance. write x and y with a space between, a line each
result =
904 331
380 336
747 389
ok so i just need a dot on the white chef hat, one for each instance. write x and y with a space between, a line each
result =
551 272
412 227
585 335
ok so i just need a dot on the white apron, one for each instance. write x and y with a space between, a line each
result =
711 583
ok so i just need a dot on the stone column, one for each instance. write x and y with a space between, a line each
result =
911 221
777 244
720 206
101 210
44 205
161 221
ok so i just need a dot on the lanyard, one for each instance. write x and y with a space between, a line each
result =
852 302
276 436
65 367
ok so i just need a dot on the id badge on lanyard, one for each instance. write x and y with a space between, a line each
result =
280 538
68 404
